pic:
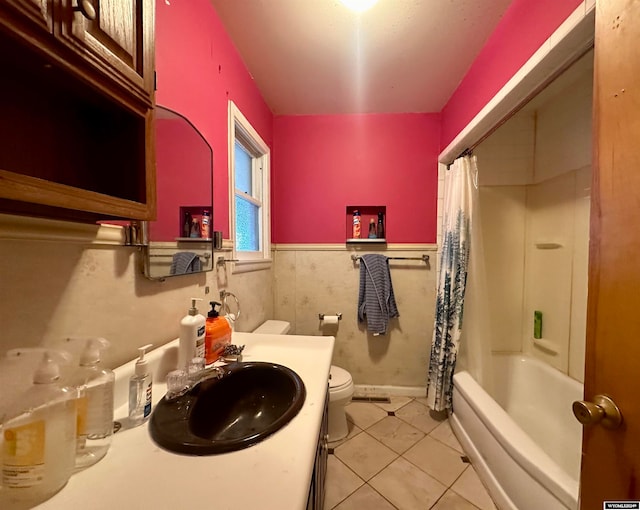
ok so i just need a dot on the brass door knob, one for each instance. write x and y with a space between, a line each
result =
86 8
602 410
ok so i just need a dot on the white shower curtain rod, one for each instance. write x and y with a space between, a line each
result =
466 152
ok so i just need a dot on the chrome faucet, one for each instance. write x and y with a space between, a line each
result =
179 382
205 374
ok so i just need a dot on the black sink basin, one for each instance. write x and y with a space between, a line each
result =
249 402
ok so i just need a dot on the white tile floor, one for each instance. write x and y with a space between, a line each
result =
397 456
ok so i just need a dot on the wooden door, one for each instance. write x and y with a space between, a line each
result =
115 35
611 459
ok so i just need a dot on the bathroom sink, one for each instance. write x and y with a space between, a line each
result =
243 406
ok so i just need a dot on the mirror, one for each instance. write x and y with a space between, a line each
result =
180 240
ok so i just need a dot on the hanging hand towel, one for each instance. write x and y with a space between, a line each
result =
375 299
185 262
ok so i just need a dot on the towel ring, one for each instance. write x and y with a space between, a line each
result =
223 298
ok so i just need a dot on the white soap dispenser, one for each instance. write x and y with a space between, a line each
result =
140 390
95 401
192 334
38 440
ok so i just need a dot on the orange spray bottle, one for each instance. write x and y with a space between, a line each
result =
217 335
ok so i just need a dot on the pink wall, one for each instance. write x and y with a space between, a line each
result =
321 164
198 70
524 27
327 162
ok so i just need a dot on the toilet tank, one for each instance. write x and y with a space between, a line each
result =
273 327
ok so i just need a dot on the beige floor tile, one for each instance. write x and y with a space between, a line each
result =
422 400
364 455
470 488
395 433
340 482
406 486
451 501
354 430
436 459
417 415
365 498
364 414
444 434
395 404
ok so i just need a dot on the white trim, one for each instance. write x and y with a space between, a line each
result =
249 261
571 38
23 228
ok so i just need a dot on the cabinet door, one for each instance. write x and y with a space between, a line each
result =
116 36
35 12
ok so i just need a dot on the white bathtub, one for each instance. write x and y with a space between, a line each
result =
524 441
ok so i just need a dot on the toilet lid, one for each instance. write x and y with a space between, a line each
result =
338 377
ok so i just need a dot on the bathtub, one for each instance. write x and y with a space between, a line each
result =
523 439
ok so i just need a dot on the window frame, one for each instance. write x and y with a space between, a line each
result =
240 129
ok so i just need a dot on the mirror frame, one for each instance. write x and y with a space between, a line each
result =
200 247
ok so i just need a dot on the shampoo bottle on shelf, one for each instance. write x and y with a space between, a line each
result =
205 225
192 330
381 232
140 386
218 334
195 228
38 440
186 225
357 233
95 402
372 229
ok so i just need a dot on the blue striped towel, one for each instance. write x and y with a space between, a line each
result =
376 300
185 262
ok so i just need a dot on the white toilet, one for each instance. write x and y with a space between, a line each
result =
340 385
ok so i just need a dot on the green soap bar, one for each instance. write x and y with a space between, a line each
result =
537 324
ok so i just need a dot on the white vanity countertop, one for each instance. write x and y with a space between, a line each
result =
276 473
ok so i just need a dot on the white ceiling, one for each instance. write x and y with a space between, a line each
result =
317 57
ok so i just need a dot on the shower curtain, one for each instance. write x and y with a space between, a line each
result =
460 193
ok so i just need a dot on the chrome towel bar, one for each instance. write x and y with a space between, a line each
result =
423 258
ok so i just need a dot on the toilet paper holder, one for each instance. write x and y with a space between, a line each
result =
321 316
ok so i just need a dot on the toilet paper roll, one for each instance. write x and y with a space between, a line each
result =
330 319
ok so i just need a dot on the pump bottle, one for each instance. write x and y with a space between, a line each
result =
218 334
140 390
192 331
95 402
38 440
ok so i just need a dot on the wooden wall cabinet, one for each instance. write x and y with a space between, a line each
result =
38 12
115 42
77 97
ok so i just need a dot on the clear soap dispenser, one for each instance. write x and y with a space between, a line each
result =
140 390
38 440
95 388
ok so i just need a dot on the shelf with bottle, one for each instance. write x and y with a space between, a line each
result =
196 224
366 224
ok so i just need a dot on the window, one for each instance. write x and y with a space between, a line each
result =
248 192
